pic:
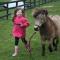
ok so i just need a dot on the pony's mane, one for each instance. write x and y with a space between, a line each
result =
38 11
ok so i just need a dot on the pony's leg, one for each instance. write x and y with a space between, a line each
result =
50 45
55 43
43 47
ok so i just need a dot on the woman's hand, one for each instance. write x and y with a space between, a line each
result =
21 25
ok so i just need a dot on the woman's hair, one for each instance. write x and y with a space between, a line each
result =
17 9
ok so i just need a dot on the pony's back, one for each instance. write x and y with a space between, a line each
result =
56 20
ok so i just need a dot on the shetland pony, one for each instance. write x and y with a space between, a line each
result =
47 29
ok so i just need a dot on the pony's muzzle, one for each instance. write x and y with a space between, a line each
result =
36 28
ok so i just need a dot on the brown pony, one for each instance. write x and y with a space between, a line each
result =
47 29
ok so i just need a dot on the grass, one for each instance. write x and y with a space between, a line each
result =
7 41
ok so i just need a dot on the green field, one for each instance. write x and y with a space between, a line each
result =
7 41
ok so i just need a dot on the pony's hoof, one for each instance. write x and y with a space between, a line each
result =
50 49
55 49
43 54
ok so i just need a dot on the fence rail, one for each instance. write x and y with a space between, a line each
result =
4 6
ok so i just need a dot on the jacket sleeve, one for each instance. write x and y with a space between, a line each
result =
26 23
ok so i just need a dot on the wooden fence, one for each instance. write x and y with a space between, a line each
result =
4 6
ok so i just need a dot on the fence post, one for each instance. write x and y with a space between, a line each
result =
24 4
7 11
45 1
39 2
50 0
16 4
30 4
34 3
42 1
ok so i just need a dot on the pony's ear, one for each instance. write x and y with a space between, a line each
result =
46 12
35 12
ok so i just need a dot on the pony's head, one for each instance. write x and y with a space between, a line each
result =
40 16
37 11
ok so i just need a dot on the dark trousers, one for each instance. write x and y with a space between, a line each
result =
17 41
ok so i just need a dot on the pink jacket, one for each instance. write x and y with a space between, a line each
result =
20 31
